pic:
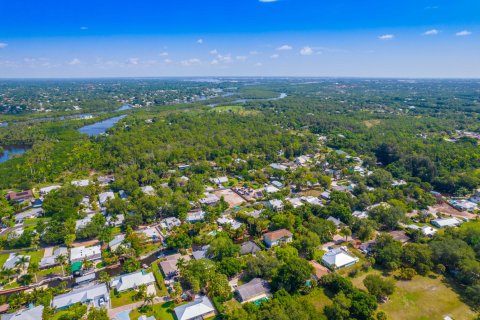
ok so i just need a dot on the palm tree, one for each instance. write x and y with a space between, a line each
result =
61 259
148 299
345 231
22 262
8 273
34 268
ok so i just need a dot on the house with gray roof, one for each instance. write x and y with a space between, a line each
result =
25 314
51 260
132 280
254 290
200 308
12 260
249 247
96 296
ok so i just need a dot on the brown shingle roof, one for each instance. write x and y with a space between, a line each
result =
320 270
277 234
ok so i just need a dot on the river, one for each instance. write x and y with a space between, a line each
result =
12 150
100 127
281 96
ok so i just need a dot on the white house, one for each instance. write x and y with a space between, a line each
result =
33 313
148 190
81 183
446 222
46 190
82 253
277 237
220 180
200 308
132 280
96 296
275 204
338 258
170 222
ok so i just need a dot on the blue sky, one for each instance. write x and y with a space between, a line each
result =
371 38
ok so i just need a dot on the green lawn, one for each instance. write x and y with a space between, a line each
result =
161 289
124 298
3 258
318 298
422 298
159 311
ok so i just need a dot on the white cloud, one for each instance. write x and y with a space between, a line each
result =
74 62
285 47
3 45
258 64
432 32
386 37
164 54
275 56
133 61
267 1
463 33
224 58
253 53
190 62
214 61
306 51
200 41
83 28
167 61
241 58
214 52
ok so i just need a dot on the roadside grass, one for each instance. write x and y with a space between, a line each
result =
162 311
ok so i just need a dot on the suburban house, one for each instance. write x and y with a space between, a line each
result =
254 290
96 296
195 216
51 260
132 280
81 183
295 202
34 313
319 270
12 261
275 204
29 214
220 180
209 199
116 242
200 308
426 230
170 222
82 253
105 196
223 221
277 237
360 214
249 247
82 223
336 221
278 166
169 265
47 190
151 234
312 200
200 254
338 258
446 222
117 221
19 197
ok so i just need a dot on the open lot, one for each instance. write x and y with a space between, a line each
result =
230 197
422 298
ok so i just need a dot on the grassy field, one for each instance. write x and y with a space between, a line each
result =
159 311
422 298
318 299
234 109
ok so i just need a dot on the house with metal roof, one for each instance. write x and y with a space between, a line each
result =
132 280
200 308
338 258
96 296
249 247
446 222
82 253
34 313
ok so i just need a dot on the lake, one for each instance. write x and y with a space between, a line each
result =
281 96
9 151
100 127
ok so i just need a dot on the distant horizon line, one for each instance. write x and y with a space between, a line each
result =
239 77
